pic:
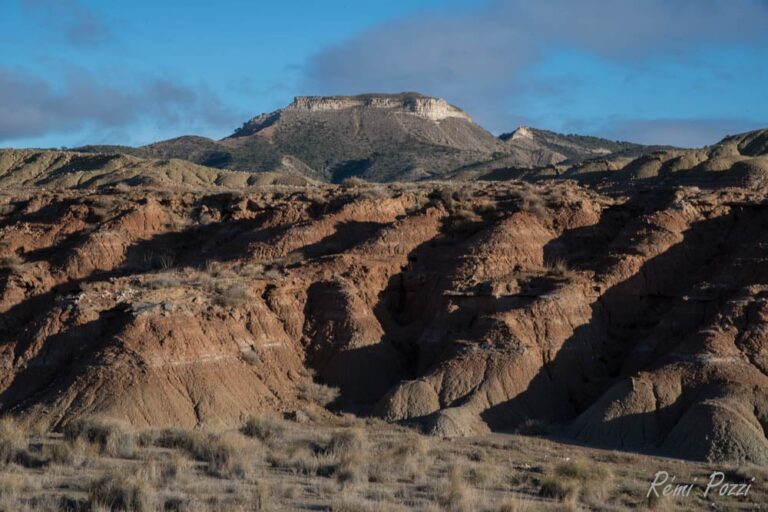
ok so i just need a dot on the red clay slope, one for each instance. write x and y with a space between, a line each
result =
635 321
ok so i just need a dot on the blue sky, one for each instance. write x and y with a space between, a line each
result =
684 72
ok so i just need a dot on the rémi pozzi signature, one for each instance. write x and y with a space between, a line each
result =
665 484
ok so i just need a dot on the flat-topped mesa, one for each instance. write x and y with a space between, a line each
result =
409 103
435 109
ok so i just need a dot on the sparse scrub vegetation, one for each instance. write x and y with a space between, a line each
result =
223 455
456 495
13 263
111 437
404 458
317 393
116 492
572 479
13 440
362 467
558 267
264 429
528 200
354 182
350 448
561 489
164 261
232 295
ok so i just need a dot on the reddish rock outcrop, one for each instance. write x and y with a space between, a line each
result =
634 320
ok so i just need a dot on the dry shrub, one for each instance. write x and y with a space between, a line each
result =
572 478
661 504
260 494
60 453
347 442
530 201
267 430
301 457
164 472
350 448
7 209
483 475
375 192
232 296
224 455
162 281
118 492
13 263
70 453
558 267
251 357
111 437
13 440
319 394
352 469
359 504
581 470
206 218
13 487
405 459
516 504
353 182
463 220
559 488
456 495
150 261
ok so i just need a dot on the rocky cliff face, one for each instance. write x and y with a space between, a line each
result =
632 320
434 109
412 104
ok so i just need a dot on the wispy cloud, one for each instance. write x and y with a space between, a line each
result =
478 57
80 25
31 106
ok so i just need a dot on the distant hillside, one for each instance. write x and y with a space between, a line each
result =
558 148
377 137
77 170
738 160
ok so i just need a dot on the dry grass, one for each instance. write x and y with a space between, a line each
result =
349 448
404 459
561 489
456 495
300 457
264 429
572 479
319 394
224 455
528 200
347 442
13 440
116 492
365 467
16 488
516 504
111 437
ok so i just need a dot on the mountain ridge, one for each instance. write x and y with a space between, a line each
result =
374 136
